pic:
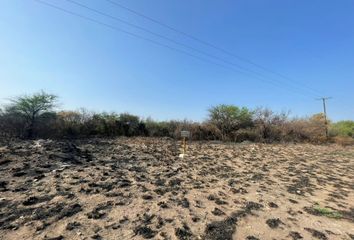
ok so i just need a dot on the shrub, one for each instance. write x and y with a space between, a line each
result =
269 125
311 129
343 140
247 134
129 124
82 123
157 129
342 128
293 131
69 123
205 131
46 126
33 116
229 118
11 125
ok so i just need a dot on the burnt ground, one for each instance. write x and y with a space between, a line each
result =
139 189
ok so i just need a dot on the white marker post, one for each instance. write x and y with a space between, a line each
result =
184 135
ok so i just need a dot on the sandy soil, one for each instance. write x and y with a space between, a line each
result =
138 189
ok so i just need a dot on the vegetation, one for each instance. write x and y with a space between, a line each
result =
26 112
342 128
322 211
229 119
33 116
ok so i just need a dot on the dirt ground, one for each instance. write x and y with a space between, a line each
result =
136 188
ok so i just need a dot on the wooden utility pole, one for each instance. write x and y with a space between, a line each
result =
325 112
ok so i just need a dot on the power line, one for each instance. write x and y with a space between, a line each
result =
123 31
149 40
173 41
212 46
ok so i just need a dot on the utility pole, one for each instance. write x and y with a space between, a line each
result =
325 112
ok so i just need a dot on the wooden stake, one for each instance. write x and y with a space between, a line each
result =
184 145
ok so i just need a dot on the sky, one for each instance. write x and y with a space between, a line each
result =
280 54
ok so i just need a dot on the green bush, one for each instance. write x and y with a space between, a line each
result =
229 118
342 128
157 129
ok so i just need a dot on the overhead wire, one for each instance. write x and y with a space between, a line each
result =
220 49
150 40
177 42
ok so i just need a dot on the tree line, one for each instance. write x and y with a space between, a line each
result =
34 116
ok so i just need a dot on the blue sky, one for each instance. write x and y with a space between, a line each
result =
92 66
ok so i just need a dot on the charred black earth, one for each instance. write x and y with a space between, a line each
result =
138 188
